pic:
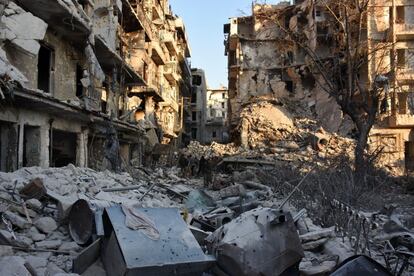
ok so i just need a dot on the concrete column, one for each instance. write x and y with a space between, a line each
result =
44 146
21 145
82 148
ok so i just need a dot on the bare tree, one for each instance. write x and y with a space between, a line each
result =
342 71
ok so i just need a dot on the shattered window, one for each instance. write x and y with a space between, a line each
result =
197 80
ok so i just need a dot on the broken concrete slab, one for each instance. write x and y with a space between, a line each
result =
54 244
309 268
37 262
34 204
317 235
13 265
8 70
17 31
6 250
46 224
17 220
69 246
335 247
314 245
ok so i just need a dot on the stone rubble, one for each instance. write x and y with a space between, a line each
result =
48 229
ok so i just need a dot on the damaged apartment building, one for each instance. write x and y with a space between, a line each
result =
92 83
207 119
265 70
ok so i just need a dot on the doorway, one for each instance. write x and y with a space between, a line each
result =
63 148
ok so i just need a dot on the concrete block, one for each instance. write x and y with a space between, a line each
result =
13 265
55 244
46 224
18 221
316 235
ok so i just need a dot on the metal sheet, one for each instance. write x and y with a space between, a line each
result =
260 242
87 257
176 251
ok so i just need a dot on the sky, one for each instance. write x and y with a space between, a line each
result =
204 22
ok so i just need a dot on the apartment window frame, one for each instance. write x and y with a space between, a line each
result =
46 68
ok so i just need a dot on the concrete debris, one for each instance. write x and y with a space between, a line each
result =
324 268
54 244
317 235
7 70
264 124
13 265
228 217
15 21
46 224
6 250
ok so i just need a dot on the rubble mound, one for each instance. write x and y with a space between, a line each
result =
263 124
197 150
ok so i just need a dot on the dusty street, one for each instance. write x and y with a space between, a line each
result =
223 138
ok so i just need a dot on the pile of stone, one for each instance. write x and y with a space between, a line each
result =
197 150
33 229
264 124
34 203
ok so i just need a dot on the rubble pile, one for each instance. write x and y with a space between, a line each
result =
35 204
306 146
263 124
197 150
34 228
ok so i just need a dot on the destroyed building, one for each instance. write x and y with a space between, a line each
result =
89 82
266 73
216 117
207 116
198 105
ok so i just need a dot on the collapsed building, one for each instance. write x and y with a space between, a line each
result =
269 77
216 118
207 116
92 83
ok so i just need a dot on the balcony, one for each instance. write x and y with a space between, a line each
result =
157 54
169 39
404 31
405 75
146 91
170 72
401 120
108 59
216 121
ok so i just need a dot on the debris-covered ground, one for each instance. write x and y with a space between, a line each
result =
231 209
282 204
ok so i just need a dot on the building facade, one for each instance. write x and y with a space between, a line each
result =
206 120
264 66
196 119
216 115
77 86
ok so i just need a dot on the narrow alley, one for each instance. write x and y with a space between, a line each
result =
124 149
